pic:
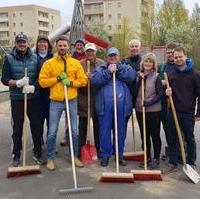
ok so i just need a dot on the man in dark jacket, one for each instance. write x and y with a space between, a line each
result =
90 52
13 75
168 67
102 79
185 90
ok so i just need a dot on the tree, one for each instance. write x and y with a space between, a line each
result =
123 34
195 21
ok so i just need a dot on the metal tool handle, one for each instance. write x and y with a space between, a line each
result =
70 138
178 130
144 127
25 128
115 121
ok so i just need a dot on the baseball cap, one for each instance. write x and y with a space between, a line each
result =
90 46
113 51
21 37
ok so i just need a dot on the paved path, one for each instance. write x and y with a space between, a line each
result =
47 184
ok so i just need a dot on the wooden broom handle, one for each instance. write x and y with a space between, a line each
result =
88 103
133 131
25 126
178 130
144 127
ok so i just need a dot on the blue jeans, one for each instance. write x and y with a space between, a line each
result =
186 122
55 112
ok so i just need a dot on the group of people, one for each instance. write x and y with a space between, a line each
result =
48 74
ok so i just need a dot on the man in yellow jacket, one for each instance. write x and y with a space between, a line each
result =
59 71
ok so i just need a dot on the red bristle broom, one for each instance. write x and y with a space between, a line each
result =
24 169
145 174
135 155
116 176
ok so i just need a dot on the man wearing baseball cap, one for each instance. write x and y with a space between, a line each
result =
13 75
88 64
102 79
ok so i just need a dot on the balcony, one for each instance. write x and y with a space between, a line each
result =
3 19
93 11
44 19
43 28
4 28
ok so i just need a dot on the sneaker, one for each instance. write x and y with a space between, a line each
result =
64 142
141 165
38 159
78 163
16 162
50 165
104 162
170 168
122 162
155 164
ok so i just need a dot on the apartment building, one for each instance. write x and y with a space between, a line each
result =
108 13
31 20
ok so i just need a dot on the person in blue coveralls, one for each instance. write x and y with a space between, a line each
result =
102 79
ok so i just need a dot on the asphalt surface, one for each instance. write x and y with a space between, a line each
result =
47 184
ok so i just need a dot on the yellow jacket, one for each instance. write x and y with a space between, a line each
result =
53 68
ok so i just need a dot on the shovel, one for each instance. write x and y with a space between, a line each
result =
187 169
88 151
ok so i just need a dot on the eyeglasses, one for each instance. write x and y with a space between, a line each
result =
170 52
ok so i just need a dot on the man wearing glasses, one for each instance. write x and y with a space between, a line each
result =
167 67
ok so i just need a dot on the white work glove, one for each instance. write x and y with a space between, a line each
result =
22 82
28 89
112 68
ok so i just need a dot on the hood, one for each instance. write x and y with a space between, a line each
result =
189 64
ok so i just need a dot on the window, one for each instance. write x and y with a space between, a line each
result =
52 26
109 16
119 16
13 15
109 5
119 27
14 33
109 27
21 14
52 17
3 15
89 18
21 24
14 24
119 4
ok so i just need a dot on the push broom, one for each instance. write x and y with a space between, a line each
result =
145 174
76 189
116 176
88 151
135 155
24 169
187 169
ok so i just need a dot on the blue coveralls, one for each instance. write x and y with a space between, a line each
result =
106 122
101 78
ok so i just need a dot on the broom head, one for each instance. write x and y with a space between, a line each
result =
134 156
24 170
147 175
117 177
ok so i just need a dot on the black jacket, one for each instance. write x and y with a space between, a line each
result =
185 89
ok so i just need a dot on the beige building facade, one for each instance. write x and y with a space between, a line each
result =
109 13
31 20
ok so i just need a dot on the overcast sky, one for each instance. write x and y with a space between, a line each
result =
66 6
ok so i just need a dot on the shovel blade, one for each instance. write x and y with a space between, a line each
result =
191 173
